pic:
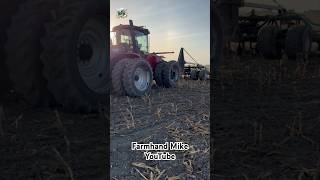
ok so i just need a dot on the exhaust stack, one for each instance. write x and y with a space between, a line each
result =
181 60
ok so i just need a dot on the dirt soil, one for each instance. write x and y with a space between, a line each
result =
267 119
45 143
266 126
174 115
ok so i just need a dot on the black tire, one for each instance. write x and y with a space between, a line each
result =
23 52
216 40
298 40
63 55
170 74
129 78
203 75
158 73
194 74
117 72
7 10
268 44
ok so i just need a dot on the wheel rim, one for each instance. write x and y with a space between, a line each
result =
141 79
91 56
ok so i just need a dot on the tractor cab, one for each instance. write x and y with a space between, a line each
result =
130 38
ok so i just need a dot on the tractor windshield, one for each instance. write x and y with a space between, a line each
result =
142 41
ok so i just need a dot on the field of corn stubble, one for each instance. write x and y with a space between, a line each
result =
44 143
267 119
266 126
166 115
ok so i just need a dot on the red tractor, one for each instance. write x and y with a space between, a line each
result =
133 68
62 60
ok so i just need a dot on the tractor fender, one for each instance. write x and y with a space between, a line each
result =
153 60
117 58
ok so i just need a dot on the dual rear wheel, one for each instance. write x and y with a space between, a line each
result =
132 77
167 74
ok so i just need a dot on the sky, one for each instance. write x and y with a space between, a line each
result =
296 5
172 24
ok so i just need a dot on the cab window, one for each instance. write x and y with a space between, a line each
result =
142 41
124 38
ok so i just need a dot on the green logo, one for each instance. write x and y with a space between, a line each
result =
122 13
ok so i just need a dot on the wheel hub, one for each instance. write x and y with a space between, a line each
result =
92 57
141 79
85 52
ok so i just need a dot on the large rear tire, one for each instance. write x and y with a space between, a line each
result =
267 43
75 56
158 73
23 51
170 74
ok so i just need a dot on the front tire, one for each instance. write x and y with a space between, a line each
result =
267 43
